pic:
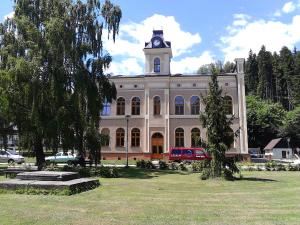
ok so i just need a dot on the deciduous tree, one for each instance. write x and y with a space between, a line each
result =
53 56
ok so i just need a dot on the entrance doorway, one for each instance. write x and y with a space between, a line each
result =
157 146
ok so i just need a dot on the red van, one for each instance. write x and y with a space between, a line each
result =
180 154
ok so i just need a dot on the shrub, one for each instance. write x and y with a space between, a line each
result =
198 166
271 165
182 167
107 172
141 163
162 165
291 167
174 166
149 165
228 174
205 173
280 167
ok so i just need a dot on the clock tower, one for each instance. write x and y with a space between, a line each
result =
158 54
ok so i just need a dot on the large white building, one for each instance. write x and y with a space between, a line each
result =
162 109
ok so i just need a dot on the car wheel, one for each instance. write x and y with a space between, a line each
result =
11 161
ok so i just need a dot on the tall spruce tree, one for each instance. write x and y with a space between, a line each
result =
251 73
295 80
215 120
53 61
277 76
287 68
265 74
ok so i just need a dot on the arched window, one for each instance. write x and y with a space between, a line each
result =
120 106
120 137
195 137
135 106
135 137
195 105
228 105
179 105
156 65
106 109
179 137
156 105
105 137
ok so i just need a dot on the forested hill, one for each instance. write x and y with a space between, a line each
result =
274 76
273 96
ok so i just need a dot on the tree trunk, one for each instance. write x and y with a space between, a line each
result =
216 168
39 153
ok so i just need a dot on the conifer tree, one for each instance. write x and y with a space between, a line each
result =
265 74
215 120
287 68
251 73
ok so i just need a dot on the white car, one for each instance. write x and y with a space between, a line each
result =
10 157
61 157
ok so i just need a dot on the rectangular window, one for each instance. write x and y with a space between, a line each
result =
179 110
106 109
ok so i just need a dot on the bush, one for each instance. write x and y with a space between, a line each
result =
149 165
182 167
162 165
200 165
174 166
274 166
280 167
291 167
227 174
107 172
141 164
271 165
205 173
145 164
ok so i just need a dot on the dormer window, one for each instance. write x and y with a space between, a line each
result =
157 65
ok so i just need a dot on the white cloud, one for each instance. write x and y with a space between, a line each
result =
289 7
125 67
240 19
10 15
191 64
132 38
277 13
272 34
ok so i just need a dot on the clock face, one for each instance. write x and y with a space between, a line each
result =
156 42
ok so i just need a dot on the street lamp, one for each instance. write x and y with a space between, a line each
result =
127 121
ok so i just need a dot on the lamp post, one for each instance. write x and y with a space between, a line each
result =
127 121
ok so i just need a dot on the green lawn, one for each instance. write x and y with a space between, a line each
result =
145 197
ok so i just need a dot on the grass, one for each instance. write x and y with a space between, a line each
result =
165 197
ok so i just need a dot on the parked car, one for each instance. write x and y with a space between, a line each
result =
62 157
189 154
7 156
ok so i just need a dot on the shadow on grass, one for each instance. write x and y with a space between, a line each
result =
138 173
257 179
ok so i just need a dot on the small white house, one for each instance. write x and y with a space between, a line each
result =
278 149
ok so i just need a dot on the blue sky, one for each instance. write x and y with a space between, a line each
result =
201 31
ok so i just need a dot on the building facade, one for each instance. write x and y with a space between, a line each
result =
157 111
